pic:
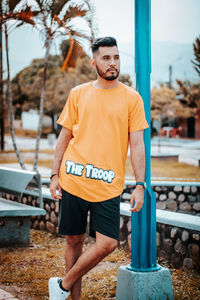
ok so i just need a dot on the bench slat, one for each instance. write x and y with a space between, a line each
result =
10 208
168 217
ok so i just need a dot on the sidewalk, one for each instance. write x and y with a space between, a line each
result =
6 296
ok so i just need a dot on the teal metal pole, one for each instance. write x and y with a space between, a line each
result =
143 252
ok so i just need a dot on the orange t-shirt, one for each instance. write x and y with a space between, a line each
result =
93 165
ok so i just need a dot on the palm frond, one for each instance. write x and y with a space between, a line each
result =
25 17
74 11
12 4
57 6
79 34
40 3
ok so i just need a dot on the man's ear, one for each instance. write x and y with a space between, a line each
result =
92 62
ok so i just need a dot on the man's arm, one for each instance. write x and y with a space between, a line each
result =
137 154
61 145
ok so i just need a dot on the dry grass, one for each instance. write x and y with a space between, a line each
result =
25 271
169 169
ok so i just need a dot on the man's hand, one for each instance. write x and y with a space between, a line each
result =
55 188
137 197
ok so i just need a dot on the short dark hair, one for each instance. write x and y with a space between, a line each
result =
107 41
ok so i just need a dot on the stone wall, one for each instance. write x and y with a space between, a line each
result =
179 246
183 199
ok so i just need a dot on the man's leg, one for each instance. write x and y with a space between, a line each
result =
90 258
73 249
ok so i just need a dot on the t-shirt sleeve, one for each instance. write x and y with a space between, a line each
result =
68 115
137 120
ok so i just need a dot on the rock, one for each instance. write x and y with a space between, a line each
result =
57 207
35 224
122 243
172 205
8 196
176 260
47 207
168 245
53 218
161 205
126 196
193 189
187 264
193 250
191 198
158 242
52 205
179 247
186 189
185 206
178 188
129 226
185 236
181 197
158 189
173 233
196 206
50 227
163 256
121 222
162 197
42 225
47 216
24 200
171 195
129 241
196 236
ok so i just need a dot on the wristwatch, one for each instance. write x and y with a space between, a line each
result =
141 183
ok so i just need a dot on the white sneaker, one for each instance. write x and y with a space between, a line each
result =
55 292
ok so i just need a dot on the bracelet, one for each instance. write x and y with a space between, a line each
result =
52 175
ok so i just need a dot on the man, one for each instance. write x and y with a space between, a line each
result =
98 120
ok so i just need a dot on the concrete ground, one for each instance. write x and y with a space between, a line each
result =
6 296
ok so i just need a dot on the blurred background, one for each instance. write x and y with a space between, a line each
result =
45 51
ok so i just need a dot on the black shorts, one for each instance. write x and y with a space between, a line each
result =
104 216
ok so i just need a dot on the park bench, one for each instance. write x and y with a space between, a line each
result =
14 215
169 217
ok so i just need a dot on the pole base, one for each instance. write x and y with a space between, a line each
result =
156 285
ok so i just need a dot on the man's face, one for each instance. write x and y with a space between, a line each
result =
107 62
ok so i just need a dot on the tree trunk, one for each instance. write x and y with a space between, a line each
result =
41 105
10 102
2 128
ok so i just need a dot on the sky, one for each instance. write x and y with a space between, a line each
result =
171 20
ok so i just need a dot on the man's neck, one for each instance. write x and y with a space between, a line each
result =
101 83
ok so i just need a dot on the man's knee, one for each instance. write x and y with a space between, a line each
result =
107 246
75 240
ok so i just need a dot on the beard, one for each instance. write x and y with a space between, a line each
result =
107 77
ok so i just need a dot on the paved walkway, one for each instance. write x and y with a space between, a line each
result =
6 296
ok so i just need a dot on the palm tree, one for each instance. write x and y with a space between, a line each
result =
9 12
56 18
196 49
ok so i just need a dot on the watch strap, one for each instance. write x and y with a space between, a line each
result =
141 183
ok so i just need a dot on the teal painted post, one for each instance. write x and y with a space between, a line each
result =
143 253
